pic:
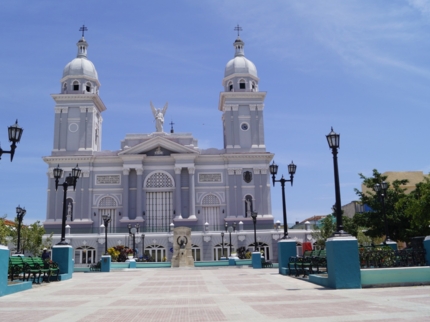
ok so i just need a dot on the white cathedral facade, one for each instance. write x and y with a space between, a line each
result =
159 180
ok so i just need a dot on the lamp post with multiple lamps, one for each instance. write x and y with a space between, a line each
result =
20 213
133 231
15 133
381 190
106 219
291 170
69 181
254 220
222 243
333 140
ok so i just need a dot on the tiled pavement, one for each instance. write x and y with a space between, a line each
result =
209 294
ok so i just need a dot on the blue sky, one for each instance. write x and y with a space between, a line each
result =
362 67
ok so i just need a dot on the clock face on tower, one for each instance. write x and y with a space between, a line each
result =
244 126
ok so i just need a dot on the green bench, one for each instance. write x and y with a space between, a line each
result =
314 263
96 267
17 269
24 267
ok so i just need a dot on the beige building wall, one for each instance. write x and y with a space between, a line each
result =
413 177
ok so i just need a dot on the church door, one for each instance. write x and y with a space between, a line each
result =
211 210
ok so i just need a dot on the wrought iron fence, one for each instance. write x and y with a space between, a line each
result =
385 256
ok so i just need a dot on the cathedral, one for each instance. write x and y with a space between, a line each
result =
159 180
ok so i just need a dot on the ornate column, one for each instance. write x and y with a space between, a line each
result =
139 192
125 189
192 194
178 195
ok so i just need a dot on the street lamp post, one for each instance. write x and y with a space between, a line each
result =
291 170
68 181
133 231
106 219
230 230
381 190
222 243
333 140
143 245
15 133
254 220
20 213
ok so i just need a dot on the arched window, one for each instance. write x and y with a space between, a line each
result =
88 87
211 210
65 87
242 84
76 86
196 252
218 250
85 255
254 88
262 247
108 206
230 86
155 253
159 201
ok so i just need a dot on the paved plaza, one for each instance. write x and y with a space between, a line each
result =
209 294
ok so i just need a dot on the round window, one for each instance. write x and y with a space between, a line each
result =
244 126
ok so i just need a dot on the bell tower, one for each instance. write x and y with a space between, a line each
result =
78 119
242 104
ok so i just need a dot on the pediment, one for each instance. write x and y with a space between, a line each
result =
158 146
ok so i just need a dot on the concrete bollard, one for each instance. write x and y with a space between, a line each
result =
63 256
343 263
286 249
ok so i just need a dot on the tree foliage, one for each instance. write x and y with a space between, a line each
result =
326 230
417 206
407 215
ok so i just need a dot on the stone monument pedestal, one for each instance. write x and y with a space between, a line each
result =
182 255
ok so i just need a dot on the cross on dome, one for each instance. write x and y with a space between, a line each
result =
238 29
83 29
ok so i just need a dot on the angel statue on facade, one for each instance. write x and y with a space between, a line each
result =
159 117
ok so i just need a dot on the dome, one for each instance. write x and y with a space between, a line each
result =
80 67
240 65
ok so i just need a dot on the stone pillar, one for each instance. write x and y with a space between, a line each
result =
63 256
139 191
343 263
125 173
6 289
192 194
178 194
256 260
286 249
427 248
105 261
